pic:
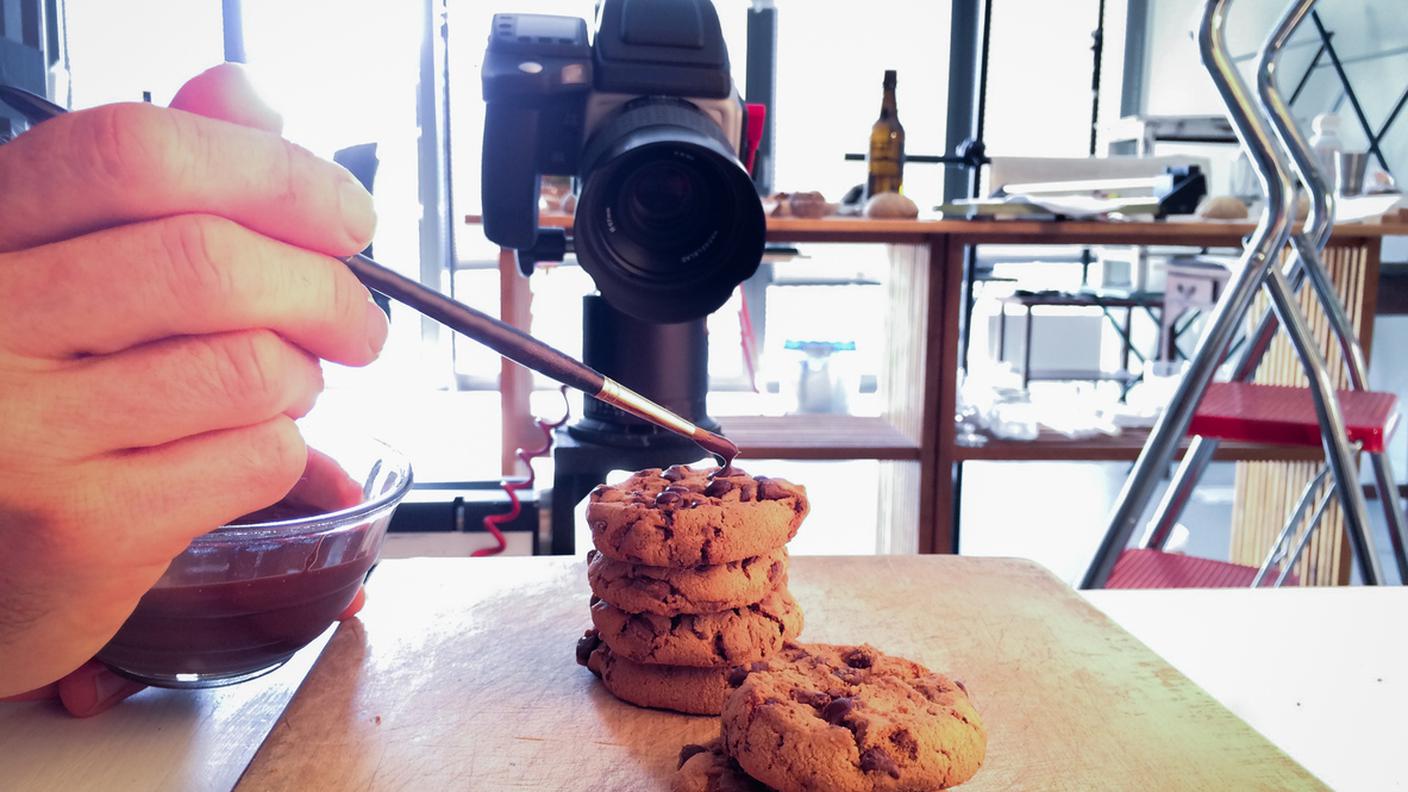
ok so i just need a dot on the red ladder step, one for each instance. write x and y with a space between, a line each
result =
1284 415
1144 568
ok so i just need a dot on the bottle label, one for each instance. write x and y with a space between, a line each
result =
884 169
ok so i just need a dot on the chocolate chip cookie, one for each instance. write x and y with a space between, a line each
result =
707 768
731 637
636 588
850 719
694 691
680 517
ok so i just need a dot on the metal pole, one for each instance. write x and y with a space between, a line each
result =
760 83
1305 261
1339 455
1318 228
1257 260
1097 49
232 21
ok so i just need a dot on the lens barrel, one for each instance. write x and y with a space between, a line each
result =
668 221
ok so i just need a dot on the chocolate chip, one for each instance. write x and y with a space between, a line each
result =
717 489
812 698
961 686
682 489
744 496
599 490
838 710
586 645
858 658
688 751
873 759
667 498
675 472
591 554
771 490
905 741
847 675
736 675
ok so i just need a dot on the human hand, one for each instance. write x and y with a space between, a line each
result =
93 688
170 285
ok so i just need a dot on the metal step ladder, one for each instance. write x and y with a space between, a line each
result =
1263 413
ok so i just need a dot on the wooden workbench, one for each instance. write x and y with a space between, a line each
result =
1245 648
461 675
914 440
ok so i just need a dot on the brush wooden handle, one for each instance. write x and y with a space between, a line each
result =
499 336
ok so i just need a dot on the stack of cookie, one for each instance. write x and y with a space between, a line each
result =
838 718
689 579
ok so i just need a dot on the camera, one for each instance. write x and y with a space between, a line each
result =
647 121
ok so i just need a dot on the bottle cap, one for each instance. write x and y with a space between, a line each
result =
889 77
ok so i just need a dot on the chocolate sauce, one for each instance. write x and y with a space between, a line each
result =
723 449
289 592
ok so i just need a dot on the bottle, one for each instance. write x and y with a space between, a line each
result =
1325 142
885 162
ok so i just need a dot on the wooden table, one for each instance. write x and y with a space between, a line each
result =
465 678
1247 649
920 461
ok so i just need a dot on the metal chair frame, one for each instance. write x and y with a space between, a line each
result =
1254 123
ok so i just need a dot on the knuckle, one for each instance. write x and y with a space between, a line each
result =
128 144
284 173
276 458
348 296
196 252
251 368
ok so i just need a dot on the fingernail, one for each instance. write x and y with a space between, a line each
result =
358 212
377 327
109 685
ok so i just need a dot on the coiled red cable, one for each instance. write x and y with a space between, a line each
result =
511 488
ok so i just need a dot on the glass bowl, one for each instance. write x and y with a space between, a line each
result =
242 599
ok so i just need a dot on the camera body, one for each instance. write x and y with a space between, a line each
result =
648 122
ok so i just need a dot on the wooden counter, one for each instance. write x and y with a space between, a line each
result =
914 440
1247 649
460 675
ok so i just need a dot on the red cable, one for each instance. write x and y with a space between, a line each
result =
747 340
493 521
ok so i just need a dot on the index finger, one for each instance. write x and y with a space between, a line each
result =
125 163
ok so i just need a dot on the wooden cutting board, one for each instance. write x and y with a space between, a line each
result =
460 675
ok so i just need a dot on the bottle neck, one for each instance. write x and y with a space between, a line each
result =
887 104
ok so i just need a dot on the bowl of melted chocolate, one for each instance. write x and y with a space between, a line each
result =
242 599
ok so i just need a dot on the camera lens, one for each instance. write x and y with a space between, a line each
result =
668 221
659 195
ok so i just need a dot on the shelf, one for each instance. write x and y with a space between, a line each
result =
819 437
1081 375
1053 447
1182 231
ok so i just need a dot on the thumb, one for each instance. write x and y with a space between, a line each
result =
226 93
